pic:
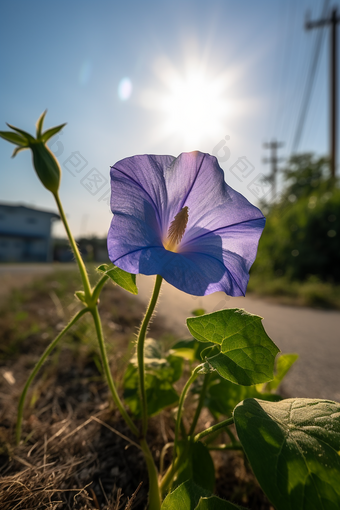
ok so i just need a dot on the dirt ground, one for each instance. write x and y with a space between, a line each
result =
76 452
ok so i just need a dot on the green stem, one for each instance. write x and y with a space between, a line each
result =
199 405
169 475
162 456
100 284
140 351
180 405
231 435
155 499
114 393
46 353
218 426
91 299
80 262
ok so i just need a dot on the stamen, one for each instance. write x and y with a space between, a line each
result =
177 229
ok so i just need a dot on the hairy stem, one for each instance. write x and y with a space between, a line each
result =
114 393
80 262
99 285
42 359
140 351
92 299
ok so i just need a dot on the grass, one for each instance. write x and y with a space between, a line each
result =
73 471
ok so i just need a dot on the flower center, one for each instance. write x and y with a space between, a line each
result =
177 229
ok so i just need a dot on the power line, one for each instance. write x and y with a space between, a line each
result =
300 72
287 71
309 85
284 21
333 22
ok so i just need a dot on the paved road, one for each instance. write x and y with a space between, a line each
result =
313 334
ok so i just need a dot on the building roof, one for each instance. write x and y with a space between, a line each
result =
28 209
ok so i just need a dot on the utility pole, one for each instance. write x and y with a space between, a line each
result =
273 160
333 22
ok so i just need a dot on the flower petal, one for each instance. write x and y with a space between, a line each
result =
220 241
213 205
140 178
128 235
233 247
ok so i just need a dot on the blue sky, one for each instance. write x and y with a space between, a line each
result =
195 72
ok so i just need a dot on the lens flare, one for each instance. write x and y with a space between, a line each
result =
124 89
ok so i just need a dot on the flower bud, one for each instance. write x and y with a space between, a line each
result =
44 161
46 166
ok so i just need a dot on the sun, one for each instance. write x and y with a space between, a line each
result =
193 107
192 103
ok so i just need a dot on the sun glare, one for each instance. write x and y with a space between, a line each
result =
193 108
192 102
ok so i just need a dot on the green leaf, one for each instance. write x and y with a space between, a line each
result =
40 123
125 280
190 496
17 150
185 497
160 374
176 364
283 365
196 466
185 349
215 503
188 349
9 136
29 137
293 447
247 353
51 132
222 396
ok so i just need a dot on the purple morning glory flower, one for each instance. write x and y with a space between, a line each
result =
176 217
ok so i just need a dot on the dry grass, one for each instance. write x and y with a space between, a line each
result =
76 452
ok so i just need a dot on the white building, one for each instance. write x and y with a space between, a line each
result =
25 234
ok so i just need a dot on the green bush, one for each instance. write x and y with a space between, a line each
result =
302 235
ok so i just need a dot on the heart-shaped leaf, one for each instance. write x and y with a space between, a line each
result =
247 354
125 280
293 447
